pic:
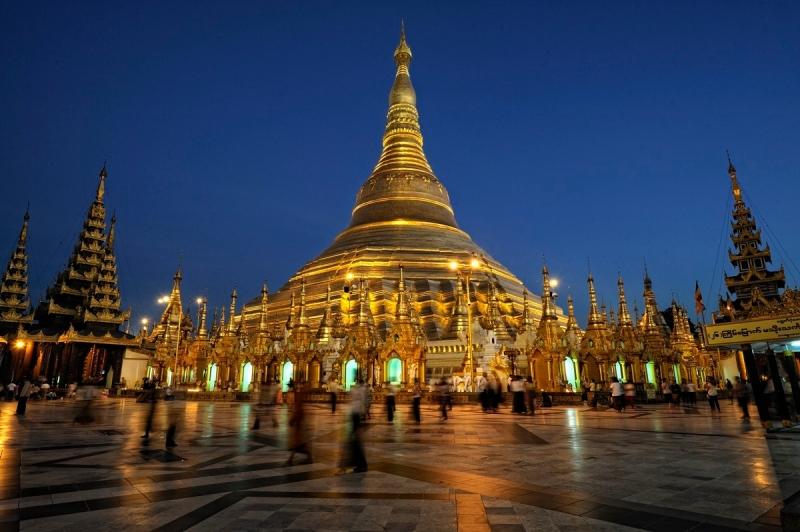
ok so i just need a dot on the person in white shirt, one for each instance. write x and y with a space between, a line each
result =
713 395
616 394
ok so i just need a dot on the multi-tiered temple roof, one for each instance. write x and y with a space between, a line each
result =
86 294
14 300
753 283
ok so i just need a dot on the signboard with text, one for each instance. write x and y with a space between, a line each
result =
750 331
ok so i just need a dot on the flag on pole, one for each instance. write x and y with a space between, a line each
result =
699 307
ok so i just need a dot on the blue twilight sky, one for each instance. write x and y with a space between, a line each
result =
237 133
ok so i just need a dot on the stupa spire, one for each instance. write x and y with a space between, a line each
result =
624 313
14 287
290 322
104 301
548 312
402 180
595 317
526 320
232 313
401 314
202 331
263 327
325 330
301 318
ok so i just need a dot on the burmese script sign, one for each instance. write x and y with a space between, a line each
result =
749 331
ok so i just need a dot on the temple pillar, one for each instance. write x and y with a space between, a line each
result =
755 382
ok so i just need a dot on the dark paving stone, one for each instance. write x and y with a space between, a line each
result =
507 528
400 527
160 455
500 510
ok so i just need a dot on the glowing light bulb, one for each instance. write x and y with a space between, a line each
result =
474 264
554 282
453 265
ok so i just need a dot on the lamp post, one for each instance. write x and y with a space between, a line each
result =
466 272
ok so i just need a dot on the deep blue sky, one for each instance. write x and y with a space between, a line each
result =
237 134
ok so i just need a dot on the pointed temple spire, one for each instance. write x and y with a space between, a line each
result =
548 312
401 313
526 320
459 316
71 299
364 311
103 306
263 327
290 322
14 287
572 322
548 333
421 196
595 317
202 331
301 318
101 184
167 328
232 313
325 330
753 284
624 313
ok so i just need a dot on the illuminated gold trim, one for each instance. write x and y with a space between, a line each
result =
416 223
403 198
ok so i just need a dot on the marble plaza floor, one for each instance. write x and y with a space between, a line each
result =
563 469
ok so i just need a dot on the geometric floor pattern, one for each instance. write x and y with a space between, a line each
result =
564 469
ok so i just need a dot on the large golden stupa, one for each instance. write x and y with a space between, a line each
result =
402 217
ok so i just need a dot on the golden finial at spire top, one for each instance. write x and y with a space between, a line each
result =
737 190
402 90
101 185
23 232
402 54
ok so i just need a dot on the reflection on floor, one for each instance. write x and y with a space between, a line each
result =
564 469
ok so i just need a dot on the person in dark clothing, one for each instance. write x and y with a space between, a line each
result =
415 402
390 403
298 436
530 389
676 391
518 395
444 398
23 395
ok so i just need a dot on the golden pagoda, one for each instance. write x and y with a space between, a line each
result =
386 278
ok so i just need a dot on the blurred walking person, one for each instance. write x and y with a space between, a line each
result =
86 397
675 393
713 395
415 402
729 389
23 395
530 390
390 403
444 394
298 436
630 395
691 393
354 456
740 392
149 395
518 395
616 394
333 393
